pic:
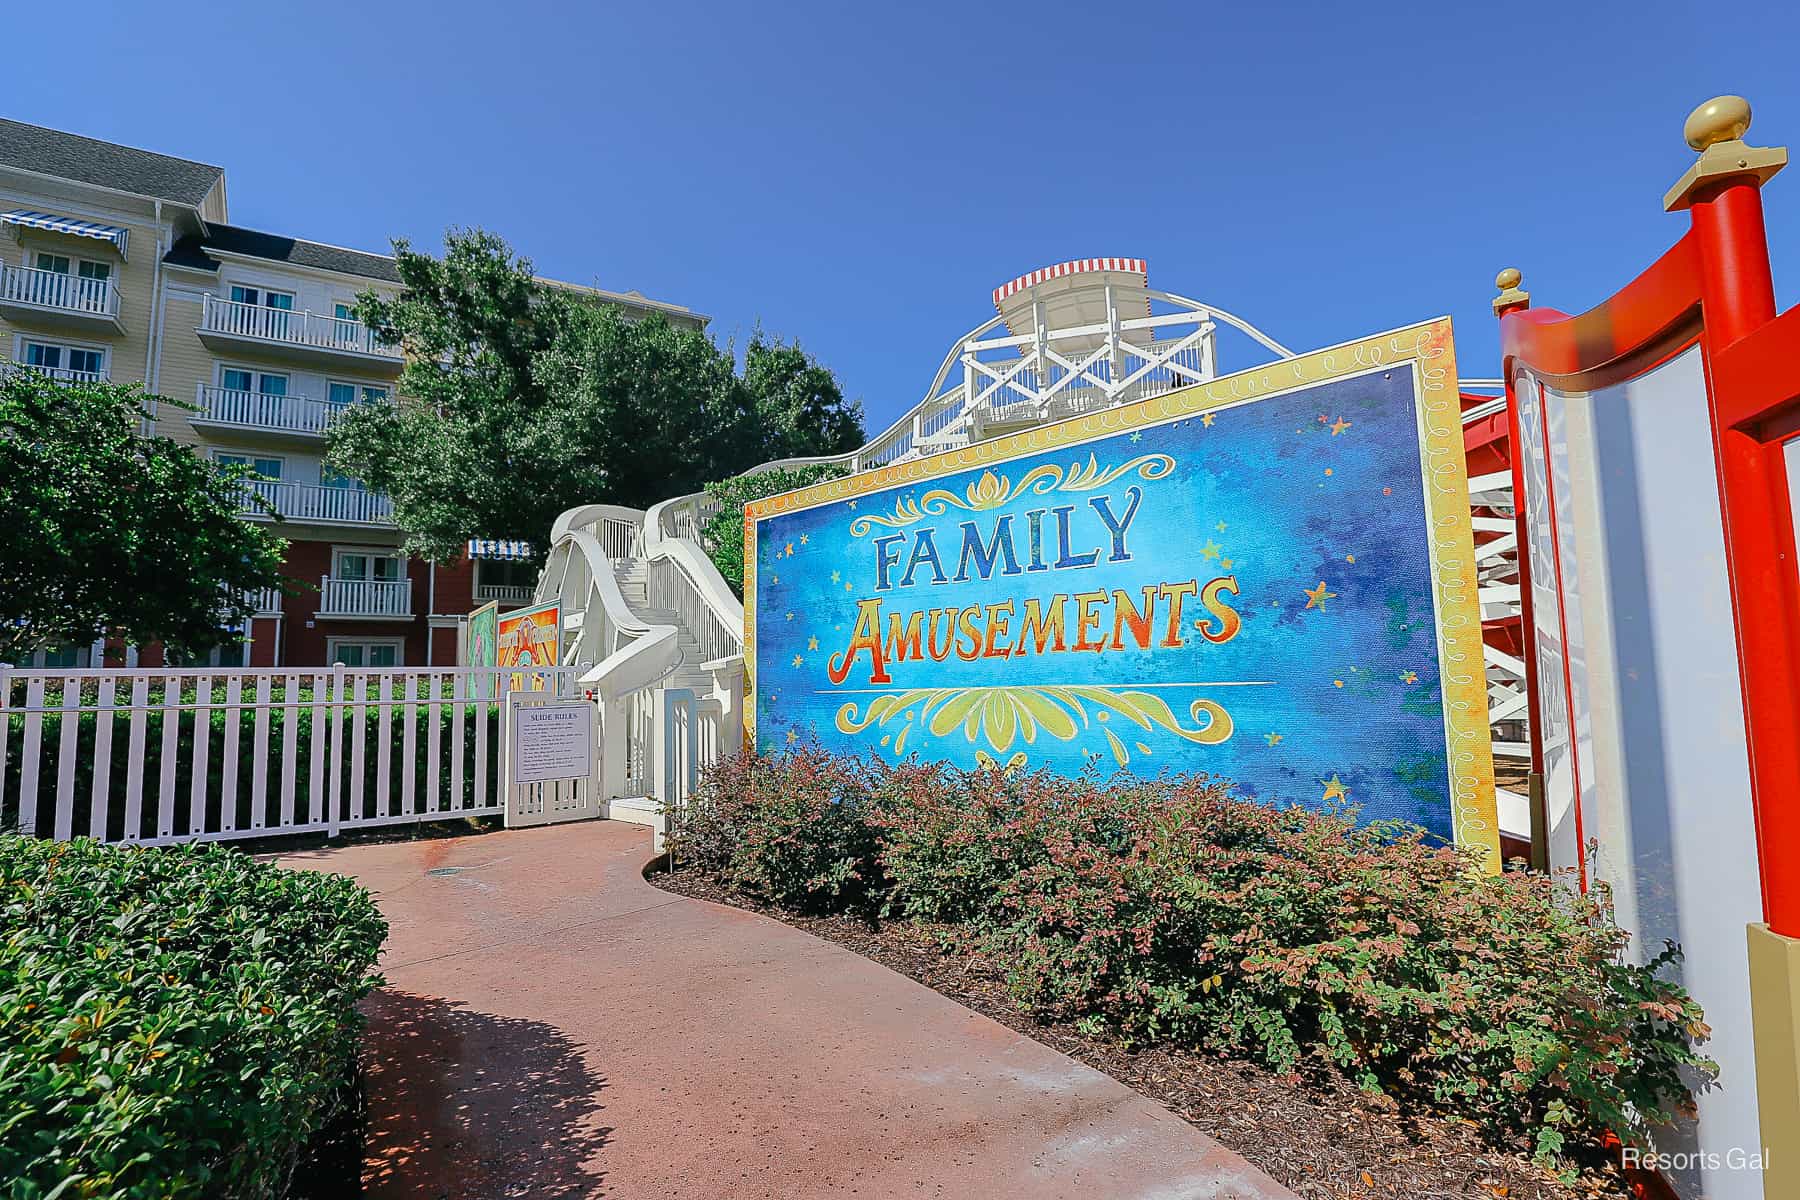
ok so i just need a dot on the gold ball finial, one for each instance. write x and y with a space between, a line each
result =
1721 119
1508 279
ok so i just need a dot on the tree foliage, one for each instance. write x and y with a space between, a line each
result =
526 399
724 533
111 531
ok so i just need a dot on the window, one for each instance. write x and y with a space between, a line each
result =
381 652
241 379
344 312
344 394
365 565
62 359
95 270
59 263
63 656
261 466
506 573
337 479
242 294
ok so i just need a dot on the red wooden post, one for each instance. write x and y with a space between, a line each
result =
1722 193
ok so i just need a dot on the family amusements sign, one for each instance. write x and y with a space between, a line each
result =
1269 578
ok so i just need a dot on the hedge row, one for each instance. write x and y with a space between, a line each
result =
1169 911
174 1022
214 723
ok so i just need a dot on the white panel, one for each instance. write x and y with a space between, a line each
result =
1652 660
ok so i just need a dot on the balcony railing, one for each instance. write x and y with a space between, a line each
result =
266 601
311 502
61 374
505 593
255 410
292 327
365 597
55 290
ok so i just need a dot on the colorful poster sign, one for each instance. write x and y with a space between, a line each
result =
1268 578
529 637
481 647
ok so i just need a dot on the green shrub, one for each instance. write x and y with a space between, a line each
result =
723 535
1171 911
173 1022
791 831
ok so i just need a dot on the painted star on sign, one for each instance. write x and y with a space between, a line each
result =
1316 597
788 550
812 643
1210 550
804 538
1338 426
792 737
1207 419
798 660
1272 738
837 576
1334 789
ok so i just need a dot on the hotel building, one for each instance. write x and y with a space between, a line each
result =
123 264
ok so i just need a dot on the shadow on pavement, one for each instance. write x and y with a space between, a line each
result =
467 1105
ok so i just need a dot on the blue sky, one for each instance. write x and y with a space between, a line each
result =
862 176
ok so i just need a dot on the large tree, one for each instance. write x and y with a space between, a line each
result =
479 449
525 399
800 409
109 531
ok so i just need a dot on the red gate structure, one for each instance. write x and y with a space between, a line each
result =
1653 440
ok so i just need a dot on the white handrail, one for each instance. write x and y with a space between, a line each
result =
295 326
56 289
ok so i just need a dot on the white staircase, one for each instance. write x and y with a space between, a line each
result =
658 633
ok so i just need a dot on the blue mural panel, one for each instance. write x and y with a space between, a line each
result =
1247 591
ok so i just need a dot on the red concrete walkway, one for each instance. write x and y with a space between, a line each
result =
553 1026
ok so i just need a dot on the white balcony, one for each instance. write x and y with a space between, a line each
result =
64 301
505 593
293 416
311 502
266 602
60 374
388 599
294 335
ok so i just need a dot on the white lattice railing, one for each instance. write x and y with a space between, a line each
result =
156 756
505 593
61 374
257 410
54 289
294 327
365 597
313 502
711 615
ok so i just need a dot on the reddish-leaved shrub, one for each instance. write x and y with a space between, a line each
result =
1172 911
791 830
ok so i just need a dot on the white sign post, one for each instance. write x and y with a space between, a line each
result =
552 762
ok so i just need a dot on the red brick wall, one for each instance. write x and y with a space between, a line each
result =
301 646
456 588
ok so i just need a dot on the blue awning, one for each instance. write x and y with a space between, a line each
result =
56 224
492 549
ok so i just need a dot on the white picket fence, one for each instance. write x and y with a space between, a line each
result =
156 756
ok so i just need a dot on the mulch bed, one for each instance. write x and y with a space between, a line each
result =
1323 1139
